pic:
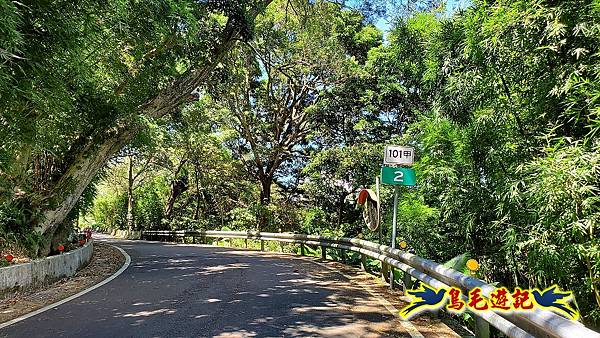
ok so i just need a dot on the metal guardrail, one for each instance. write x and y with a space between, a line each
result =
537 323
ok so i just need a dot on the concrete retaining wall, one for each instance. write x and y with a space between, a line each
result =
44 270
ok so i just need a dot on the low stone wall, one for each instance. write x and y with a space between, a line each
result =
44 270
125 234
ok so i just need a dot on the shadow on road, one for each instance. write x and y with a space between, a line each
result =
203 291
246 293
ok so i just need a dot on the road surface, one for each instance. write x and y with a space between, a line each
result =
174 290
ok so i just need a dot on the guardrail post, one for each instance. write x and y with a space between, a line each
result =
246 243
301 249
392 279
323 253
262 245
193 239
363 261
482 328
407 281
343 254
384 271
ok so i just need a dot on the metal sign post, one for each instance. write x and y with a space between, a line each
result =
394 227
395 172
378 208
395 217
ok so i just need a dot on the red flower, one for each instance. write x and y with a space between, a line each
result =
61 248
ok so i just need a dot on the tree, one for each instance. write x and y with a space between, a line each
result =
280 78
336 173
122 72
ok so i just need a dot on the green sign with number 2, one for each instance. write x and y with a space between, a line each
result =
398 176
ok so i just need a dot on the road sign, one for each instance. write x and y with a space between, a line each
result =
398 176
371 215
369 199
399 155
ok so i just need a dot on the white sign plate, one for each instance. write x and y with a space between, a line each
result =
399 155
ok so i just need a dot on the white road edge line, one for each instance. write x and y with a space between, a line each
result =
77 295
410 328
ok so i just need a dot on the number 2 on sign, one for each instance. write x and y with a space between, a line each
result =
398 176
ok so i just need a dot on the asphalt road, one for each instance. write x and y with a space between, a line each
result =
173 290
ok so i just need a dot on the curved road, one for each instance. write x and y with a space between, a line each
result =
201 291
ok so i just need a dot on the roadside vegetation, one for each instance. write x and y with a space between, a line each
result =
270 115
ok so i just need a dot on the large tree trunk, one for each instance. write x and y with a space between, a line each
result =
94 155
130 202
178 187
87 163
265 200
341 200
197 177
265 190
